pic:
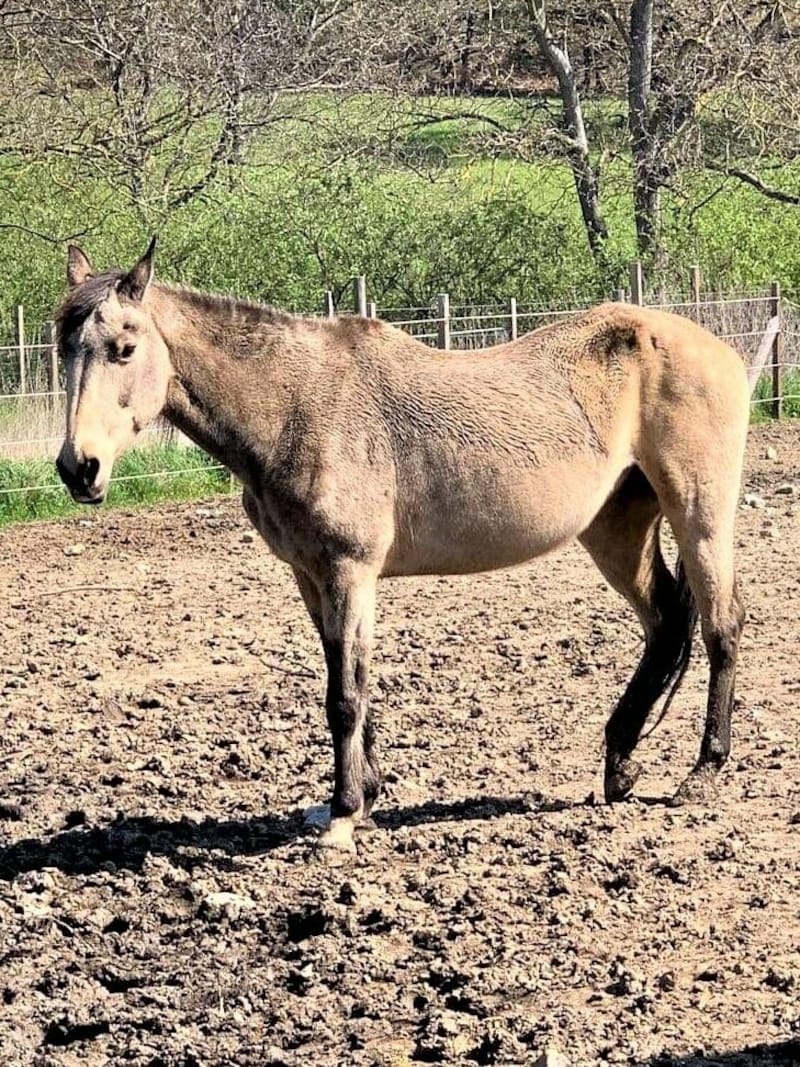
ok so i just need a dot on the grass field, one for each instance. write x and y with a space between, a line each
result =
29 489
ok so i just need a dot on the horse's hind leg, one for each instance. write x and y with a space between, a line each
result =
707 551
698 488
623 540
343 609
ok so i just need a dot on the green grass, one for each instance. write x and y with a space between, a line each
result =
190 475
791 397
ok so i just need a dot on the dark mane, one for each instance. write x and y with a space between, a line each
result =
81 301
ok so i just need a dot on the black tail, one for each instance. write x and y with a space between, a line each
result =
668 658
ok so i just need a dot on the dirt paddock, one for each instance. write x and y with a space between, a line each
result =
162 734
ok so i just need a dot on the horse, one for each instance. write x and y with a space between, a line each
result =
364 454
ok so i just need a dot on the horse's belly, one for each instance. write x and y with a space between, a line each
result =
498 519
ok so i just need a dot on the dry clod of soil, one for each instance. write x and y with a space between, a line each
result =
753 500
158 904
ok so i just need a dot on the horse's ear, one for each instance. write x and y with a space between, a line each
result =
79 266
134 285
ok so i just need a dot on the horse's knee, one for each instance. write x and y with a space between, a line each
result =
343 717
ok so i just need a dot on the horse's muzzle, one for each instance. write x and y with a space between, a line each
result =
81 481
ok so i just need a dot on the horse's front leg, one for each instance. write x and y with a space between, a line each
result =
347 599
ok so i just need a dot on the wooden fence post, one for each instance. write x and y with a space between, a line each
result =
777 352
360 295
695 286
51 362
637 282
511 311
372 310
443 321
20 325
328 310
620 295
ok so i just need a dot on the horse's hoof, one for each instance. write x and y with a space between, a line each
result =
699 788
620 782
336 843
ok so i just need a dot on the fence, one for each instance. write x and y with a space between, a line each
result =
32 389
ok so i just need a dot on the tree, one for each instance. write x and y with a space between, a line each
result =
702 85
161 97
701 90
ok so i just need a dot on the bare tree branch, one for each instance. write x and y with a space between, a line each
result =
769 191
46 236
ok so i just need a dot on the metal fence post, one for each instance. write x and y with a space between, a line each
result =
777 352
51 363
443 321
360 295
637 282
20 325
511 311
328 310
372 310
620 295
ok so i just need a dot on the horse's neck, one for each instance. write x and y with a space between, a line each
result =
223 404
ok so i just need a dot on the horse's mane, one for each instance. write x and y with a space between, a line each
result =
230 307
81 301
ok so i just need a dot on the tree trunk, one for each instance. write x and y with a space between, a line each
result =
646 185
587 183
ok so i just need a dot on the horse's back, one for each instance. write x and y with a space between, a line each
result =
466 461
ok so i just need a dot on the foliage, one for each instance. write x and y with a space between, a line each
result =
482 231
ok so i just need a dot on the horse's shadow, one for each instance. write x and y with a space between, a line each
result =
129 840
782 1054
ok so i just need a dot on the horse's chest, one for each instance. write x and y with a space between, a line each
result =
299 530
283 523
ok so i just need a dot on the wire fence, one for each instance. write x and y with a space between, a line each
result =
32 398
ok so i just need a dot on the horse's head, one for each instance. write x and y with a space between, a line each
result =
117 369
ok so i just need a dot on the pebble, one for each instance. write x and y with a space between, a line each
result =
248 537
551 1057
772 452
752 500
787 489
74 550
218 906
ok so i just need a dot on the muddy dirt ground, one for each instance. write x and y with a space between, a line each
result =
162 733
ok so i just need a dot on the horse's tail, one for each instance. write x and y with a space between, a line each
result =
672 665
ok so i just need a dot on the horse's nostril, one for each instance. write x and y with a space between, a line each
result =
89 471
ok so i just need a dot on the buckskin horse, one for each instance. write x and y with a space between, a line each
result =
364 454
